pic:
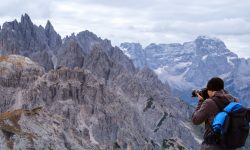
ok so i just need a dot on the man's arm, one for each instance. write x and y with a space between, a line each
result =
201 112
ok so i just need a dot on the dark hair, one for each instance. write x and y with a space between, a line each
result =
215 84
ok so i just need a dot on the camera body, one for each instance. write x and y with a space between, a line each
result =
202 93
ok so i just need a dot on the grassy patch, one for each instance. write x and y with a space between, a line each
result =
13 128
3 57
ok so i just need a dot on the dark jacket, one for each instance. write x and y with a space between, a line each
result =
207 110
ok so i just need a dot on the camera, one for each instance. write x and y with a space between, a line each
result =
202 93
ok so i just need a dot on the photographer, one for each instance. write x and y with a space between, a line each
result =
210 101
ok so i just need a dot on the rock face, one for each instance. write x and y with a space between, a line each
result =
190 65
130 112
89 41
25 38
53 38
17 72
70 55
94 99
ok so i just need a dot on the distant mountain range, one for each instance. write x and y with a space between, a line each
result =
190 65
80 92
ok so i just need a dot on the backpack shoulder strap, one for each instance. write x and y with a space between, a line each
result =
221 103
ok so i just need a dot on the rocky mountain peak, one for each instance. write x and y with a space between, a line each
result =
29 40
10 25
207 45
49 28
26 21
87 34
25 17
132 45
206 37
54 39
89 40
151 45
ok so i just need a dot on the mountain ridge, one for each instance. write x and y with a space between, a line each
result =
91 94
190 65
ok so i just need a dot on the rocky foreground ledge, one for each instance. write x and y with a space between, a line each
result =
37 129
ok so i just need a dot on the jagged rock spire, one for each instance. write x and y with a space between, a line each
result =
25 19
49 27
54 39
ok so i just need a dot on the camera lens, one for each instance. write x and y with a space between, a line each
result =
194 93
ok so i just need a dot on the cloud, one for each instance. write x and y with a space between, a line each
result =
236 26
14 8
144 21
238 43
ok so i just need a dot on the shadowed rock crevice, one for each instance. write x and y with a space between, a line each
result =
149 104
159 123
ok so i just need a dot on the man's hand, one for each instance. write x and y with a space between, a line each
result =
200 98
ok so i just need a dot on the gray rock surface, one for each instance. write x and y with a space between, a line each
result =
17 72
38 129
135 110
70 55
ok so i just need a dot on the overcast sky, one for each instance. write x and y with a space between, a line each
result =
143 21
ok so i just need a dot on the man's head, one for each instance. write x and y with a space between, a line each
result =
214 84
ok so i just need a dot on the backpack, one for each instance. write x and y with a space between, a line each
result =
231 126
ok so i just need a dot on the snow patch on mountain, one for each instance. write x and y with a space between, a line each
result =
126 52
177 81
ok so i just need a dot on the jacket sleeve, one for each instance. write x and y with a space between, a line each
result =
201 112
